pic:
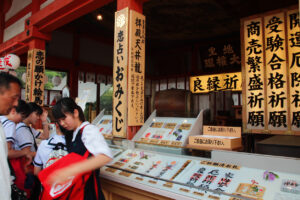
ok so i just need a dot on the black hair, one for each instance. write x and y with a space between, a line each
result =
23 109
68 136
66 105
6 79
35 108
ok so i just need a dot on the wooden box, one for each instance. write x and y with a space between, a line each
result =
217 137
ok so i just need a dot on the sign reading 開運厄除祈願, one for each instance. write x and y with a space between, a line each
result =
271 78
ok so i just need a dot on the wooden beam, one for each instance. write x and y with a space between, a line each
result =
18 16
13 43
22 39
33 8
60 13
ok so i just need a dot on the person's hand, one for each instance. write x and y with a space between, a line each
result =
59 176
29 159
44 115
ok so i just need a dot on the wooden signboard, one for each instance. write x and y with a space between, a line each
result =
136 69
35 72
270 67
216 82
120 74
229 138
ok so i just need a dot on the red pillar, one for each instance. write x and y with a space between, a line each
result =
37 44
2 24
35 6
4 7
136 5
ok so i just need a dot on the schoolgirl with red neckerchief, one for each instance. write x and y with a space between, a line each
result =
84 140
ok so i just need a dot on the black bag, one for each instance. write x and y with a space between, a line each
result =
16 193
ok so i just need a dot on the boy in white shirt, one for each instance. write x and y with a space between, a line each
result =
16 115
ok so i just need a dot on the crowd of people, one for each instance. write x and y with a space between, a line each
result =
23 160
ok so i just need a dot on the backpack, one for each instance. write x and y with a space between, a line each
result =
59 151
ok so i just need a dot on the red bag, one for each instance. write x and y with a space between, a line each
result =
20 169
72 189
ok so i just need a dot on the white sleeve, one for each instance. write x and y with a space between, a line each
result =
24 138
38 156
94 141
10 132
36 133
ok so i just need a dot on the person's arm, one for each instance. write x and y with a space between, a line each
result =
12 153
45 134
36 170
92 163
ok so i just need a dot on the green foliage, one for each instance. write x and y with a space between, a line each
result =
49 73
106 100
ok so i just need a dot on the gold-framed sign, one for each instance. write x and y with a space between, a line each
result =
216 82
270 67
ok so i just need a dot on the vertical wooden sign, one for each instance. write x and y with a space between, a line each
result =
120 74
273 106
293 31
28 76
276 72
254 72
35 73
136 69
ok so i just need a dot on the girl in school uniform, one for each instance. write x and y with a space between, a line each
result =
85 138
25 134
16 115
50 150
25 140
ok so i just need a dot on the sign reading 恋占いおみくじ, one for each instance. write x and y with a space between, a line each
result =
120 74
271 80
136 69
216 82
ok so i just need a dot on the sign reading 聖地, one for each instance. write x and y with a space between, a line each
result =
216 82
120 74
35 72
136 69
271 80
